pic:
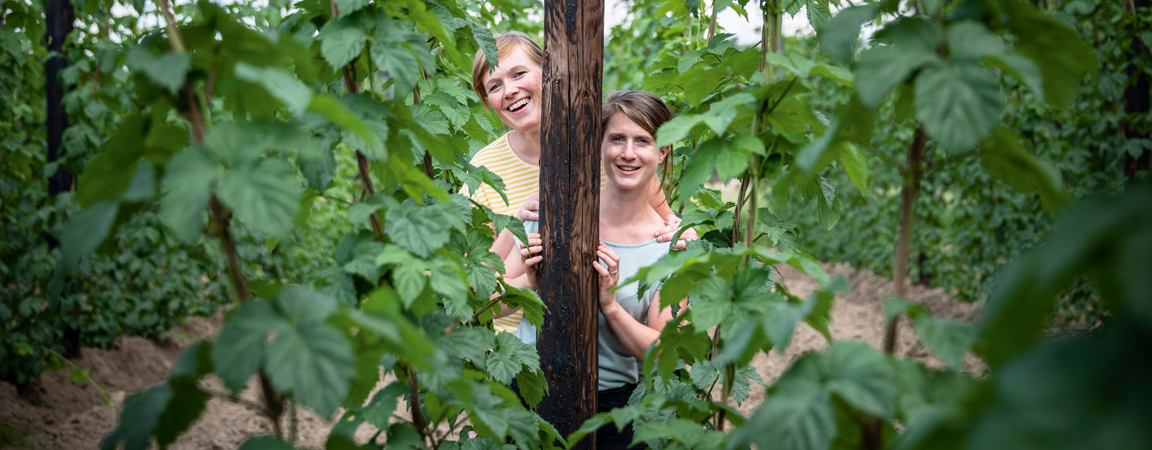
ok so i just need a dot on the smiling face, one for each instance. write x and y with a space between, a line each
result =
629 154
513 90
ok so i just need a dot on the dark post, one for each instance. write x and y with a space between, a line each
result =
570 208
1136 100
59 18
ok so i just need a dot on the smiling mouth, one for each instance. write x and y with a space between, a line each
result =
628 169
518 105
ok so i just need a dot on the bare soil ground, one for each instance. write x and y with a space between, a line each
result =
68 415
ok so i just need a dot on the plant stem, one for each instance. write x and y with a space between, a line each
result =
739 207
712 24
907 221
427 156
417 416
87 377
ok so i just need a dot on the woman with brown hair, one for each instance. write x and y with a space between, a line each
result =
629 323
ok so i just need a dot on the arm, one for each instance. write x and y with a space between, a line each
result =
659 203
635 336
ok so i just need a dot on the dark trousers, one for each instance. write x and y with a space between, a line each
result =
607 438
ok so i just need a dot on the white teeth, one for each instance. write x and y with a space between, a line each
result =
518 104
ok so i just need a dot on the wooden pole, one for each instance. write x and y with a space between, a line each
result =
59 17
569 209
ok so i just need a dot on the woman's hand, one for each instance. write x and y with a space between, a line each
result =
609 275
532 255
671 226
530 210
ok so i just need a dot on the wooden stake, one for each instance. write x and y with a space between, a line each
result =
569 210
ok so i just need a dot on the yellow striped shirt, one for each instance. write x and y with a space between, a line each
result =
521 181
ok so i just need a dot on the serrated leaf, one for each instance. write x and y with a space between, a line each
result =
167 70
107 176
838 37
314 362
859 374
422 229
879 69
948 339
399 61
164 411
341 43
1005 159
484 40
1062 54
378 411
243 340
279 83
188 184
798 416
85 231
532 386
264 195
958 104
346 7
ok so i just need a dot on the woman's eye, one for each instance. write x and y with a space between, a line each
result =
521 73
493 88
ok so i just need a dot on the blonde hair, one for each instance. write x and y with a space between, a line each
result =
505 44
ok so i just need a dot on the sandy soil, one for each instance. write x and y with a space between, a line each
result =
67 415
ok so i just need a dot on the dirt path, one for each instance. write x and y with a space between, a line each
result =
72 416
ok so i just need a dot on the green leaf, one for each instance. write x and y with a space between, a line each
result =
85 231
1062 54
532 386
855 166
188 183
399 61
378 411
314 362
676 130
107 176
818 14
164 410
264 195
712 301
341 43
346 7
780 320
958 103
279 83
1005 159
798 416
838 37
949 339
241 343
860 375
879 69
484 40
333 109
423 229
972 40
509 356
167 70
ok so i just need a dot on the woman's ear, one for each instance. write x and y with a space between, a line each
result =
664 152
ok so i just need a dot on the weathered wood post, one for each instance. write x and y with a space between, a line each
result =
59 17
570 208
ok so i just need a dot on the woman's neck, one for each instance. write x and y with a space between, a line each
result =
526 145
626 217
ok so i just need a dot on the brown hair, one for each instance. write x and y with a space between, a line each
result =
647 110
505 43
